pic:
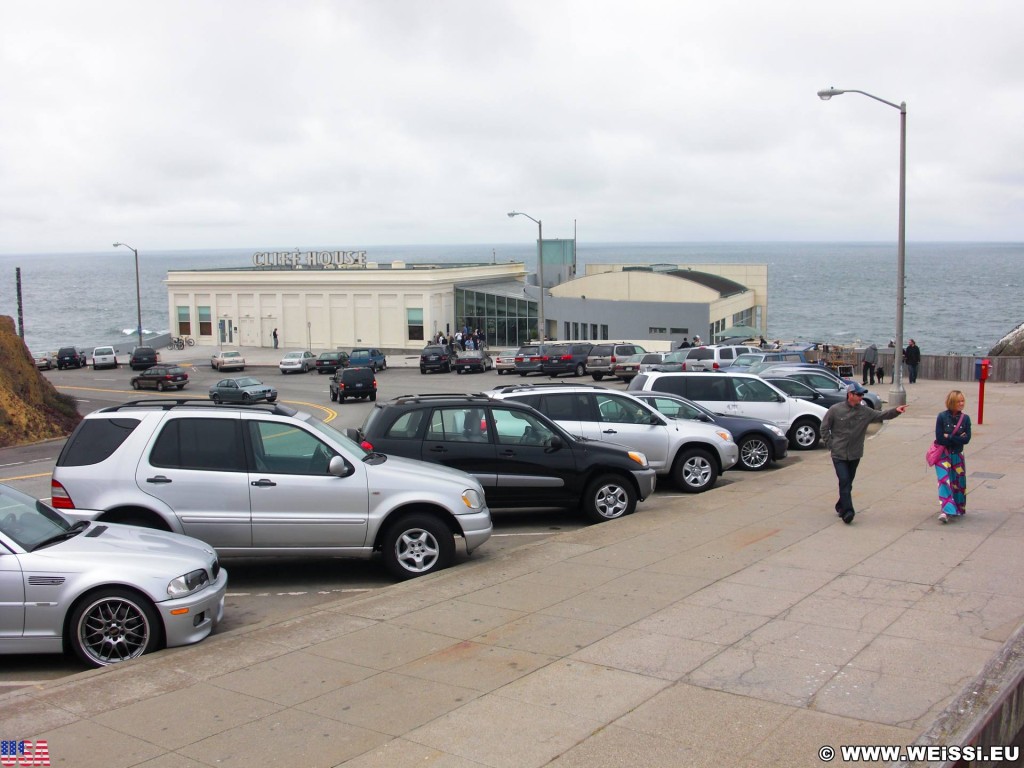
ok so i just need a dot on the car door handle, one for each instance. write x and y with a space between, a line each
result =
509 452
158 479
611 431
263 483
438 449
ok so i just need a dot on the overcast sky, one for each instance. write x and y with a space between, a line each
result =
206 124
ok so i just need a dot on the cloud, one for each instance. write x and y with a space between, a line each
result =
197 124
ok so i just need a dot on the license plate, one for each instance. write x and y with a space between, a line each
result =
467 367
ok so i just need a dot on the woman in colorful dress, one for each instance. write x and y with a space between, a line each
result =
952 432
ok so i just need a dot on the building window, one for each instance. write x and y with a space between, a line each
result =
604 332
205 322
656 331
677 331
414 323
184 322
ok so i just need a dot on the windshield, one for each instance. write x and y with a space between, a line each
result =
248 382
28 521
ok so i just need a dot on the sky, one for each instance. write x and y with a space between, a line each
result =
353 123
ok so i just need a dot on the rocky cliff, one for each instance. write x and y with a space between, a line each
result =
1011 345
30 408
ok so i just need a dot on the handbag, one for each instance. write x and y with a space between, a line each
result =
936 451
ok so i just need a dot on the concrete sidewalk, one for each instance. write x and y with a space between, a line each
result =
746 626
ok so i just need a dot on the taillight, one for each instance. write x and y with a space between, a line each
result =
714 365
565 357
611 359
59 498
543 358
366 445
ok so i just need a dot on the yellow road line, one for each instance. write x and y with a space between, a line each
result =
24 477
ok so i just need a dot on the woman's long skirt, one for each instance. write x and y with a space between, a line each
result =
952 476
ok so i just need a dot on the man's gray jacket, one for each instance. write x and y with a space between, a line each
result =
844 427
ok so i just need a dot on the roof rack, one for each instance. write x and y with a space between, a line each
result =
166 404
422 398
557 384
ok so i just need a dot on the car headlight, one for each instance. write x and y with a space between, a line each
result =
725 435
190 582
472 499
776 430
639 458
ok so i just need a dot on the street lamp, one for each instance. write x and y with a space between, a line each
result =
138 293
542 326
897 394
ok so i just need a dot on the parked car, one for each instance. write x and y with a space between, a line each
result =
161 377
103 357
108 593
743 363
227 359
694 455
300 361
671 362
69 357
626 368
142 358
267 481
799 390
759 442
741 394
244 390
819 377
603 357
505 361
520 456
436 357
714 357
358 382
472 361
368 356
530 358
44 360
329 362
566 358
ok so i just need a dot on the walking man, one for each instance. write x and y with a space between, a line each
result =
275 338
842 431
912 357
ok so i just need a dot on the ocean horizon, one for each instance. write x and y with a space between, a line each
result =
960 298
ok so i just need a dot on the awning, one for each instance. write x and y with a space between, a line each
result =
739 332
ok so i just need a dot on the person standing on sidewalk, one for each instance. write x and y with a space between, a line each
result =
842 431
952 432
870 360
275 338
912 357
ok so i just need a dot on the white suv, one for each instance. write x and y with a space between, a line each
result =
265 480
693 454
103 357
714 357
742 394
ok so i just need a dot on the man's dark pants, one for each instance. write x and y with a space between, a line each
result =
868 373
846 470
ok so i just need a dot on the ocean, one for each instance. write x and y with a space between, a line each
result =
961 298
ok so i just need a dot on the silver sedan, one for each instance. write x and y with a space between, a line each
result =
118 591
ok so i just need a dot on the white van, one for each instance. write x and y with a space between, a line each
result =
103 357
742 394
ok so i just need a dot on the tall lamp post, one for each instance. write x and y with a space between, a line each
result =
138 292
542 325
897 394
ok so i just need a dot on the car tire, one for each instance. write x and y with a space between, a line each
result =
246 398
159 386
597 376
113 625
755 453
422 370
460 371
608 497
334 396
415 545
216 398
694 471
523 375
804 434
580 370
373 397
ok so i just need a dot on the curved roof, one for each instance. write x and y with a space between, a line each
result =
723 285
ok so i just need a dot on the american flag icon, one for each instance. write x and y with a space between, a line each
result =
24 753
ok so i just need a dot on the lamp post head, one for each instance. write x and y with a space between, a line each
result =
512 213
828 93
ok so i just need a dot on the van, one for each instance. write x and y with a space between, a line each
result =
103 357
603 356
566 358
714 357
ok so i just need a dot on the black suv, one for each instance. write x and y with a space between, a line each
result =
142 358
436 357
521 457
566 358
329 362
69 357
358 382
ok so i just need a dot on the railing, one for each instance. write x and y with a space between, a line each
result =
955 367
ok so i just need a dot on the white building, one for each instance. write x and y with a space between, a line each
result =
328 299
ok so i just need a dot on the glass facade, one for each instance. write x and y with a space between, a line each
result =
506 321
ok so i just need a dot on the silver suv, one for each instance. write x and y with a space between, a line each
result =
265 480
714 357
693 454
603 356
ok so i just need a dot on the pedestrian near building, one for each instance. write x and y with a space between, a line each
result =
275 338
952 432
869 361
685 343
843 430
912 357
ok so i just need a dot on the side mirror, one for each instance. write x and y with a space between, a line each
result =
705 418
339 467
554 443
352 433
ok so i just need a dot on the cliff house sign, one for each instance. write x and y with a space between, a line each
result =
310 259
